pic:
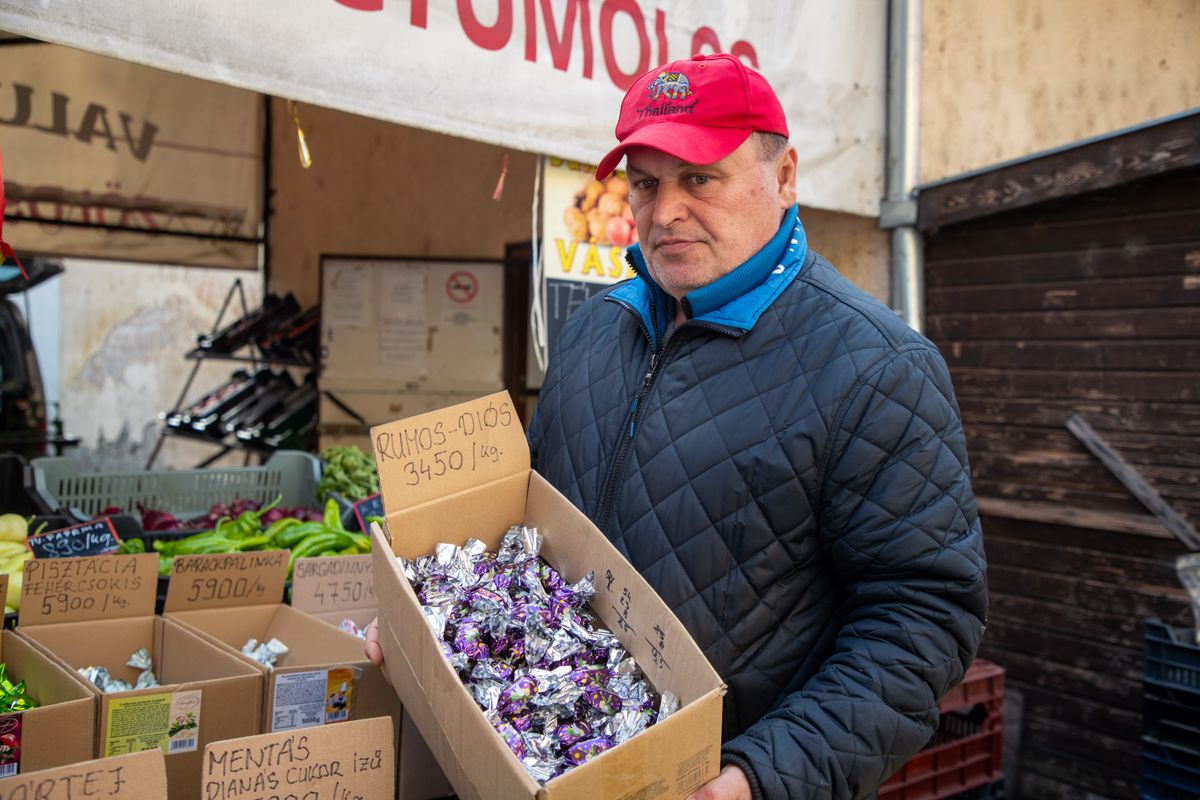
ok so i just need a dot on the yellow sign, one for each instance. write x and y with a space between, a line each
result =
167 721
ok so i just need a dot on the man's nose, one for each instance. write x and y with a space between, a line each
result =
670 204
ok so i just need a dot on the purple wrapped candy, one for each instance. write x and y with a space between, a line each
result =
512 738
503 580
522 720
550 578
589 676
570 733
518 694
588 749
469 640
602 699
560 601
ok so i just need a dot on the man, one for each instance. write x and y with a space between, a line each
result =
775 451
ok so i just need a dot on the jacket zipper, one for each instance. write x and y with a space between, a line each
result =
604 508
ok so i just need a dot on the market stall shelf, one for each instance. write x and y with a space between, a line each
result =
260 410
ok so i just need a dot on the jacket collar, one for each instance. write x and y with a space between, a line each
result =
735 300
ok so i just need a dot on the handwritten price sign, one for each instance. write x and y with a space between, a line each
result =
89 539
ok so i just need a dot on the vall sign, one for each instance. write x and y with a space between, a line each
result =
544 76
107 159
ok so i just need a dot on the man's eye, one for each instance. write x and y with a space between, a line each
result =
700 180
644 184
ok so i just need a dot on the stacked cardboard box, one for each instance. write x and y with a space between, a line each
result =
97 611
324 677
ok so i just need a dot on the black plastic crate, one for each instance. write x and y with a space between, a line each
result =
1169 772
1172 657
1172 717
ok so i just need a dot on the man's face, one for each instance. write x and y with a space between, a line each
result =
697 222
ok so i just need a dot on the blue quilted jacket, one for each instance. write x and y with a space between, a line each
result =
787 468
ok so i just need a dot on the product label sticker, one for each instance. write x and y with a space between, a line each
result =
299 700
10 744
314 697
339 694
169 721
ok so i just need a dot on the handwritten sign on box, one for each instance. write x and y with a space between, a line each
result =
346 760
94 538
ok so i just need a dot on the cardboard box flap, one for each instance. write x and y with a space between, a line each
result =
49 685
134 776
432 455
350 759
88 588
322 585
224 580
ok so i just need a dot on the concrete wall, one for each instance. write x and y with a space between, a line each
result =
124 329
1000 80
376 188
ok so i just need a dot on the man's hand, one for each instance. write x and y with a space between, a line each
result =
731 784
371 646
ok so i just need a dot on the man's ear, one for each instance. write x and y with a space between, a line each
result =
785 174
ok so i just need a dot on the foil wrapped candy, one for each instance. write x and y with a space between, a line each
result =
265 653
557 686
106 683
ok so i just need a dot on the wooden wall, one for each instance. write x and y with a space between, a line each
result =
1087 304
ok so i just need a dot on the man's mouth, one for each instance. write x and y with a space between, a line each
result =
673 246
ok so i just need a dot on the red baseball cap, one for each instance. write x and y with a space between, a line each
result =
698 109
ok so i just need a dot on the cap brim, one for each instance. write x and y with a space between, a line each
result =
695 144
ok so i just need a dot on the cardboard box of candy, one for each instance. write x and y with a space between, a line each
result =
534 659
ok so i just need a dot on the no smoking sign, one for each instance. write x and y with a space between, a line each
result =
462 286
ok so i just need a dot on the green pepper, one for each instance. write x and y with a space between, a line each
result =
129 546
252 543
333 515
279 526
295 533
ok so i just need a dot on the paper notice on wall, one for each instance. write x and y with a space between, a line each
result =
345 304
402 349
402 295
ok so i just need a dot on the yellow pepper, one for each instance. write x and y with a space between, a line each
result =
13 528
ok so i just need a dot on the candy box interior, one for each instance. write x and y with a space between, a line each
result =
133 776
61 730
464 472
97 612
334 590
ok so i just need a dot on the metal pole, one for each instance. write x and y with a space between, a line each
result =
898 211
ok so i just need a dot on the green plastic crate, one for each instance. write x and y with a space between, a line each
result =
185 493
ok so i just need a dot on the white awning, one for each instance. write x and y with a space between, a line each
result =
545 76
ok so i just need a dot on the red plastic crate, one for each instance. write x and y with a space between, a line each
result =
966 750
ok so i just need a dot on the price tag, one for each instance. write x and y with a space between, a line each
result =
221 580
94 538
333 584
367 508
76 589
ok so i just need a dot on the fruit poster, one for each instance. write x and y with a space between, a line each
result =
586 227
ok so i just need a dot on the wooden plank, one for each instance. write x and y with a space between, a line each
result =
981 268
1032 785
1153 150
1170 355
1095 713
1090 765
1137 601
1059 678
1116 559
1133 480
1135 323
1032 492
1141 292
1079 517
1084 384
1044 233
1117 629
1111 415
1056 642
1162 450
